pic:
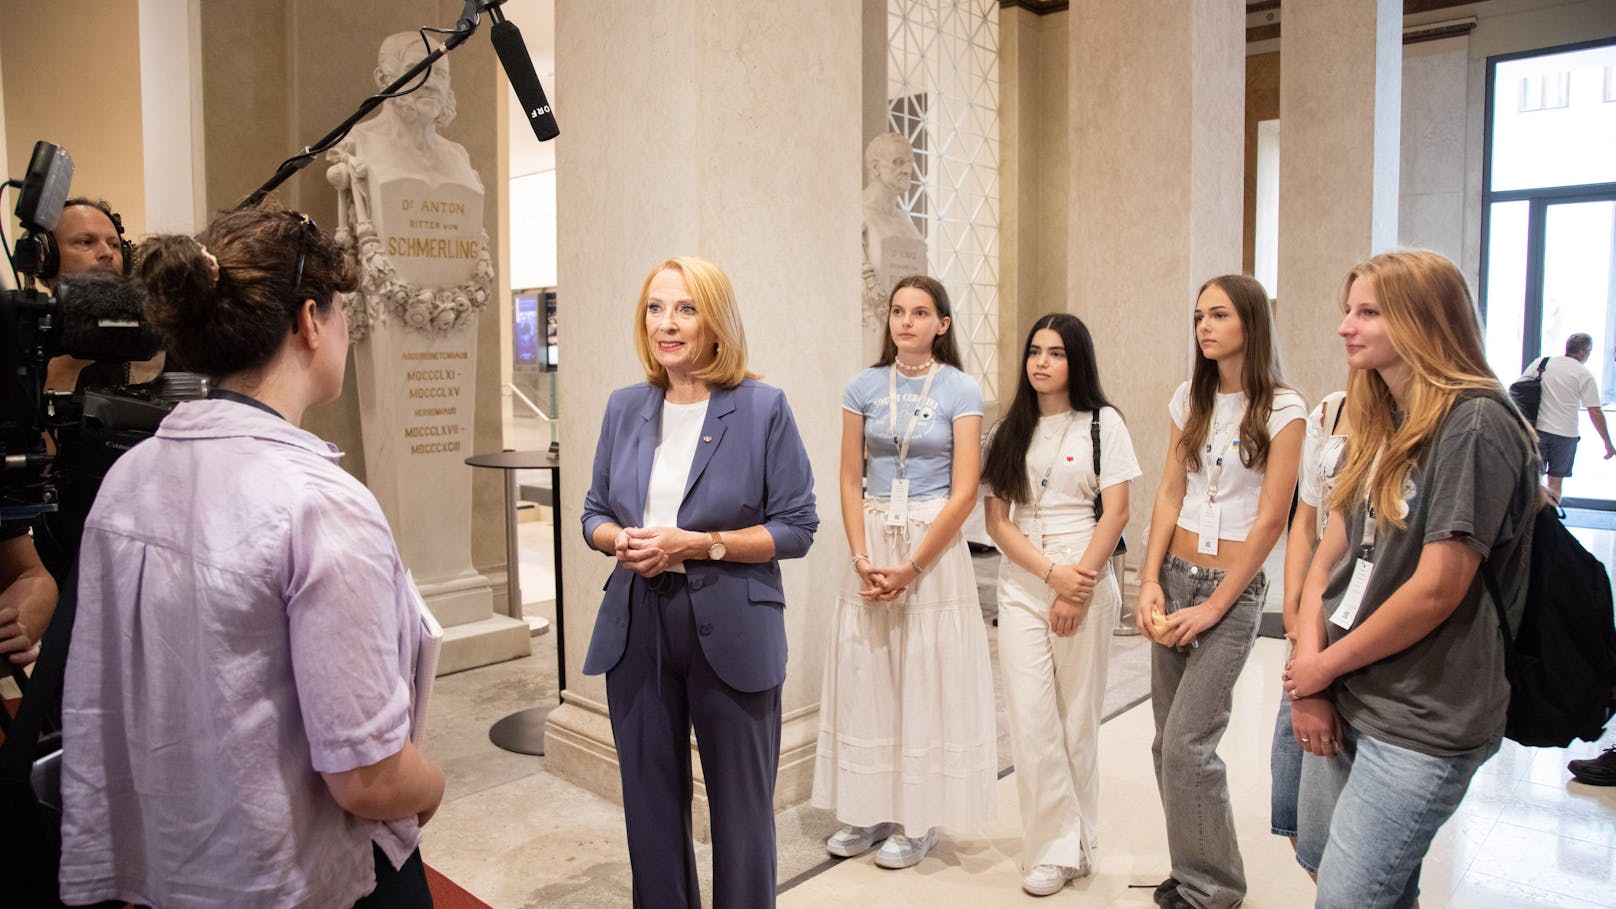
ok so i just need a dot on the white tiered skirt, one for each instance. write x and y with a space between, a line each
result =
906 729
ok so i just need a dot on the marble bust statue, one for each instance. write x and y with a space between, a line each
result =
411 204
893 247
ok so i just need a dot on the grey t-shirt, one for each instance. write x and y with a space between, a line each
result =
1446 694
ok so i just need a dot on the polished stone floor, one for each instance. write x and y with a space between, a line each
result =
518 837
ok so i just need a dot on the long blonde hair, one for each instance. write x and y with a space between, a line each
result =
1431 321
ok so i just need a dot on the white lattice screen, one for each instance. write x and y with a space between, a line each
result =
943 91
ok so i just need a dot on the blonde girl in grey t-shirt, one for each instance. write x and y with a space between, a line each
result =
1398 679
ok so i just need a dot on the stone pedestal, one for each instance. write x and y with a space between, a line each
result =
1340 90
695 150
1156 112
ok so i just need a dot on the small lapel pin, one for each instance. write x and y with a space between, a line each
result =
706 438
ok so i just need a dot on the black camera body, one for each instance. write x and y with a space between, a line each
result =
56 446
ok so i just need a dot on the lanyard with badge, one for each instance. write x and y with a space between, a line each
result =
1347 610
1212 509
1035 529
898 501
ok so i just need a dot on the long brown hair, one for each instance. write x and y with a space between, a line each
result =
1433 326
1260 377
943 347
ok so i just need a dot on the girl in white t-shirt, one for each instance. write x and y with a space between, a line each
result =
906 731
1232 454
1057 471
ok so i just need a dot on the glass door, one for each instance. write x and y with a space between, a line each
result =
1579 295
1549 227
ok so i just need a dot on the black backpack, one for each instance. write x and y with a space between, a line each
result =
1561 661
1527 392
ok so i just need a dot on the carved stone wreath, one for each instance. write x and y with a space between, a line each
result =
383 295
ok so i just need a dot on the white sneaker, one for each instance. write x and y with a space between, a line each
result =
1044 880
900 851
851 841
1048 880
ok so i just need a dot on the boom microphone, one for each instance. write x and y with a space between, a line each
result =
518 66
102 317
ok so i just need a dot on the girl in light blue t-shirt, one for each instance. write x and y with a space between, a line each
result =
906 733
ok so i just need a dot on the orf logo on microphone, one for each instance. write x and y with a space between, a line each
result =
538 112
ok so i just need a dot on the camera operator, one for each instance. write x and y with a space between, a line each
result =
237 709
87 238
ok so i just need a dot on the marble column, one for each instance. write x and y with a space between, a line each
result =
1033 174
1157 101
1340 89
704 127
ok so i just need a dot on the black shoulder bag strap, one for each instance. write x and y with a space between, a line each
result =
1099 502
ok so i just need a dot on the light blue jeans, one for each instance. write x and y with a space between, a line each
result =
1371 813
1285 768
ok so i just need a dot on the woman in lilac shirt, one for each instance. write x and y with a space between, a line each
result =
237 709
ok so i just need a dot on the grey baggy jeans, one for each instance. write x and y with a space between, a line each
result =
1191 691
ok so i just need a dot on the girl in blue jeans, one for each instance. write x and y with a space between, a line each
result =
1397 685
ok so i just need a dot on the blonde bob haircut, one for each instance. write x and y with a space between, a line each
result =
717 315
1433 327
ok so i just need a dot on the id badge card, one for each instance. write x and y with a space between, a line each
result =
1347 611
1035 534
1211 518
898 503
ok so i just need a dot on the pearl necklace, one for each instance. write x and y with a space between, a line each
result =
915 368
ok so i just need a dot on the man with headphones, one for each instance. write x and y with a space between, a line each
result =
87 238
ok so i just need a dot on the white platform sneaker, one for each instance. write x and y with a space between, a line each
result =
851 841
900 851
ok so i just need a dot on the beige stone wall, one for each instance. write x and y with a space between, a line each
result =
734 137
72 77
279 74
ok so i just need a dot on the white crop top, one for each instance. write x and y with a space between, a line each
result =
1239 487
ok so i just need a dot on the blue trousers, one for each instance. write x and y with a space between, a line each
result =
662 687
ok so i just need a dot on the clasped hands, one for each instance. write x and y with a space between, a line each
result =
649 551
883 585
1314 722
1074 591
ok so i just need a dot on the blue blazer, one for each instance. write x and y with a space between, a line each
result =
750 468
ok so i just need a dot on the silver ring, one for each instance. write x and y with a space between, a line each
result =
1325 741
1304 740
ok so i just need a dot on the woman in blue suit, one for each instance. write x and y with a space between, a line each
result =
701 484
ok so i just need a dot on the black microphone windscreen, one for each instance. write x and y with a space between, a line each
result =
518 66
103 317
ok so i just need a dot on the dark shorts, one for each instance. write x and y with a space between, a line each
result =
1558 453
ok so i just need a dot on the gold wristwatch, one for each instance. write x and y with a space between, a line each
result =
716 550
